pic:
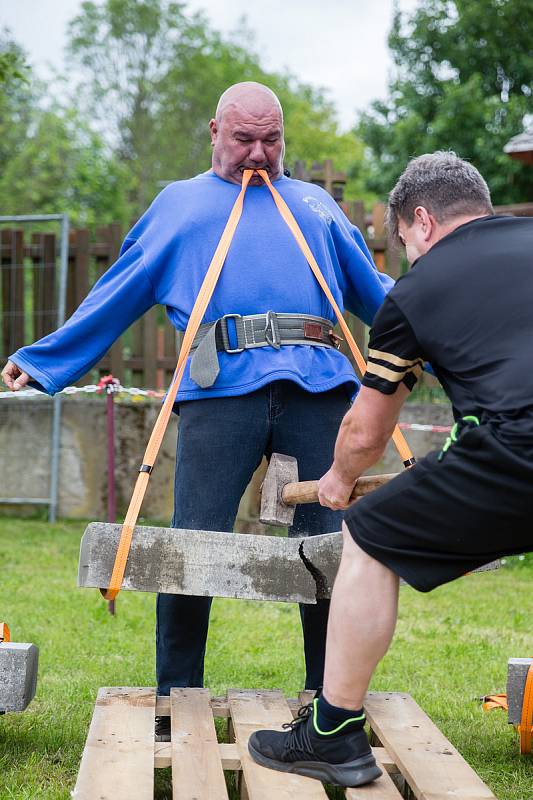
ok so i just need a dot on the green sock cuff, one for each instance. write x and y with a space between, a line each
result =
339 727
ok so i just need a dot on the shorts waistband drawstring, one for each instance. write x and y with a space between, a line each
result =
468 421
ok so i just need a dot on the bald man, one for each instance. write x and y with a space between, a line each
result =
265 374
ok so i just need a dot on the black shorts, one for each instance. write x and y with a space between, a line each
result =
441 519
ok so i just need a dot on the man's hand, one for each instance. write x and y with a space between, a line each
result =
14 378
334 492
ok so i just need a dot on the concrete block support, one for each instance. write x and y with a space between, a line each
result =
517 669
18 675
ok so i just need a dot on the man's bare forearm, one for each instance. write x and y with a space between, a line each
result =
365 431
354 450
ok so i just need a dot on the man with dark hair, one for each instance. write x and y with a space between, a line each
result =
445 185
465 306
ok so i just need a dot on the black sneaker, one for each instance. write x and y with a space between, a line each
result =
344 759
162 729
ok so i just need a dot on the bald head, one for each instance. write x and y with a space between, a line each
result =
256 98
247 132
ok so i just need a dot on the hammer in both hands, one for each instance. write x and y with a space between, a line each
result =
281 491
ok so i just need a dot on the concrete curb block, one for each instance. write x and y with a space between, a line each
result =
517 669
18 675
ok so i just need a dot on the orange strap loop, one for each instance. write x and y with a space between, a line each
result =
492 701
197 313
5 633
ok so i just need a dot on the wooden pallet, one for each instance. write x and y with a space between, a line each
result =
120 754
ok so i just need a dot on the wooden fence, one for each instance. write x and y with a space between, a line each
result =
146 354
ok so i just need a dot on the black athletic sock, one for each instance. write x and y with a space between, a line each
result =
335 721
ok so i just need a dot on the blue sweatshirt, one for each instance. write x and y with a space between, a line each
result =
165 257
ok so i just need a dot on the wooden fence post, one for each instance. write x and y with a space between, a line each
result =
380 244
12 267
81 265
44 284
150 347
117 359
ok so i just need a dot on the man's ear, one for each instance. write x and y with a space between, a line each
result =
426 222
213 127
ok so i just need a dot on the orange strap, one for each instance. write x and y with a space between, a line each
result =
525 729
197 313
154 443
5 633
492 701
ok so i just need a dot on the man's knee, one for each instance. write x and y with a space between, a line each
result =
350 549
355 557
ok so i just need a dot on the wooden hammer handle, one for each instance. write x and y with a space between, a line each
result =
307 491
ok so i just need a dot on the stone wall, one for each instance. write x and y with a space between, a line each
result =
25 427
25 455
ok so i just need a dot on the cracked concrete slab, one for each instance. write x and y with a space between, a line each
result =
214 563
206 563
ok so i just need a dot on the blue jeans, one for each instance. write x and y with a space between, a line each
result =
221 442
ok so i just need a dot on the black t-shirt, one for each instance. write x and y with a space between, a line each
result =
467 308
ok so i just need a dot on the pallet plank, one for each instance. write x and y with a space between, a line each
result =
118 759
382 788
253 710
430 764
228 753
197 772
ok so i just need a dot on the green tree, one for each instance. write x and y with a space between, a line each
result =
50 159
13 67
17 99
64 167
463 81
152 76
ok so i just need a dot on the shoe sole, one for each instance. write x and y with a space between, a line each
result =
353 773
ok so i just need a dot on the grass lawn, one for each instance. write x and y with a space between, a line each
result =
451 647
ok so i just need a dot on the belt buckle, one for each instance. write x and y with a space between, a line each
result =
334 339
271 332
224 320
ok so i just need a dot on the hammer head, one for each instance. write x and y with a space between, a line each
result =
281 470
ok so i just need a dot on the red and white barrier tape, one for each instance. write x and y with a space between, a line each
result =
90 388
415 426
103 387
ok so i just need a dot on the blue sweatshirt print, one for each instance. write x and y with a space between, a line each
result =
165 257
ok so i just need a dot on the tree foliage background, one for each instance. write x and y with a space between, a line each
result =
143 78
463 80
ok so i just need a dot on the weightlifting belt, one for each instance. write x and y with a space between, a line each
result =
255 330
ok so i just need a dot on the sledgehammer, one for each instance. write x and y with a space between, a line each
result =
282 492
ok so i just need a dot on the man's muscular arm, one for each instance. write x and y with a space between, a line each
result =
363 436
